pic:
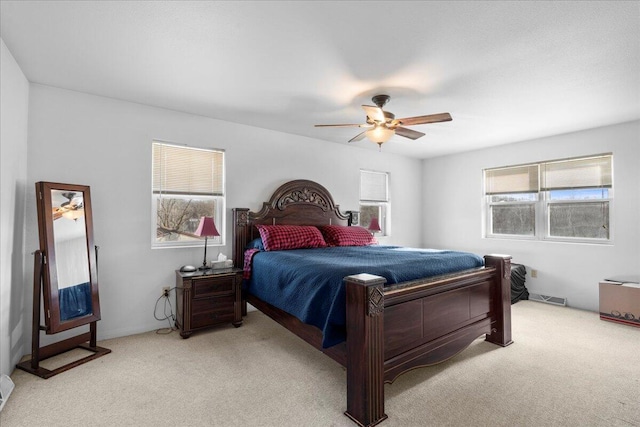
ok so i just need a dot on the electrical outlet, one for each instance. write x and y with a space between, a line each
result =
534 273
165 291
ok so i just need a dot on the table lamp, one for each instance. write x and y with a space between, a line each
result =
374 226
206 228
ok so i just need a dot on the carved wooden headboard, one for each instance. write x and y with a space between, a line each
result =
298 202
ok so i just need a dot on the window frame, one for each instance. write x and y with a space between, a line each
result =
544 202
489 218
383 203
548 202
219 210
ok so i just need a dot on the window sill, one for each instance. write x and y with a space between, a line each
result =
554 240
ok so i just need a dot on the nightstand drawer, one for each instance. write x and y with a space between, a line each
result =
206 311
213 304
212 286
211 317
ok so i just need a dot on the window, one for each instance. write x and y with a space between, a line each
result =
561 200
188 183
374 200
512 194
577 197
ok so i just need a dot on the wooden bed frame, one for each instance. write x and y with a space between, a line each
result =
390 329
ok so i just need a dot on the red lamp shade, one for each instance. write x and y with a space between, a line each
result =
374 226
207 228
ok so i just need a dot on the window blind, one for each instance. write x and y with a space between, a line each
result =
592 172
373 186
181 170
515 179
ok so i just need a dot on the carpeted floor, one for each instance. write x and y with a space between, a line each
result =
565 368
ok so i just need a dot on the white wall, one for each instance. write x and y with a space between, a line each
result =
453 212
14 98
104 143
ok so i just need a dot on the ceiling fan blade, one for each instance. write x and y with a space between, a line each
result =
420 120
57 213
408 133
359 136
343 126
374 113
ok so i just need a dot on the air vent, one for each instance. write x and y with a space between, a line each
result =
548 299
6 387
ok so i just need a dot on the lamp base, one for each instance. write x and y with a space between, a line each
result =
204 260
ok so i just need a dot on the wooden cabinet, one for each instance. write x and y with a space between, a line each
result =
208 298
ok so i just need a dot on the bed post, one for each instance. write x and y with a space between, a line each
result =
501 330
240 230
365 349
240 222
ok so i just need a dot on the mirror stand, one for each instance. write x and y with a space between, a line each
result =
41 353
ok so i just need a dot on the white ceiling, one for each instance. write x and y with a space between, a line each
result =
506 71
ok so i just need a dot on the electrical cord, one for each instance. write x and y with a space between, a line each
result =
169 317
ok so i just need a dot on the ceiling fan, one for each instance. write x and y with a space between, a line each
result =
382 125
73 208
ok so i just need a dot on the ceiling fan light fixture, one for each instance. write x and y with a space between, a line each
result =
74 214
379 134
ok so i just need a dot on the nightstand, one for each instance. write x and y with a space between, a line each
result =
207 298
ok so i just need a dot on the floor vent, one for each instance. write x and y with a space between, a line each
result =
548 299
6 387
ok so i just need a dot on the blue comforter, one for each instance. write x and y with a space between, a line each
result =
308 283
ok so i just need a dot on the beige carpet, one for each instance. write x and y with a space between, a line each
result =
565 368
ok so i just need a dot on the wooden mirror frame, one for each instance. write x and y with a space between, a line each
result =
46 218
46 283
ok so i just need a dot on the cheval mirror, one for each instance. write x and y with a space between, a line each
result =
65 275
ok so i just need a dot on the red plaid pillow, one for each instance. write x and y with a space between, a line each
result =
340 235
279 237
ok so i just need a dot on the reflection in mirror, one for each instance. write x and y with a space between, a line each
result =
72 257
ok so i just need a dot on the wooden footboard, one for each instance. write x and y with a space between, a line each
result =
395 329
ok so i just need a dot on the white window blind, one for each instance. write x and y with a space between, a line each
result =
187 171
509 180
373 186
592 172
